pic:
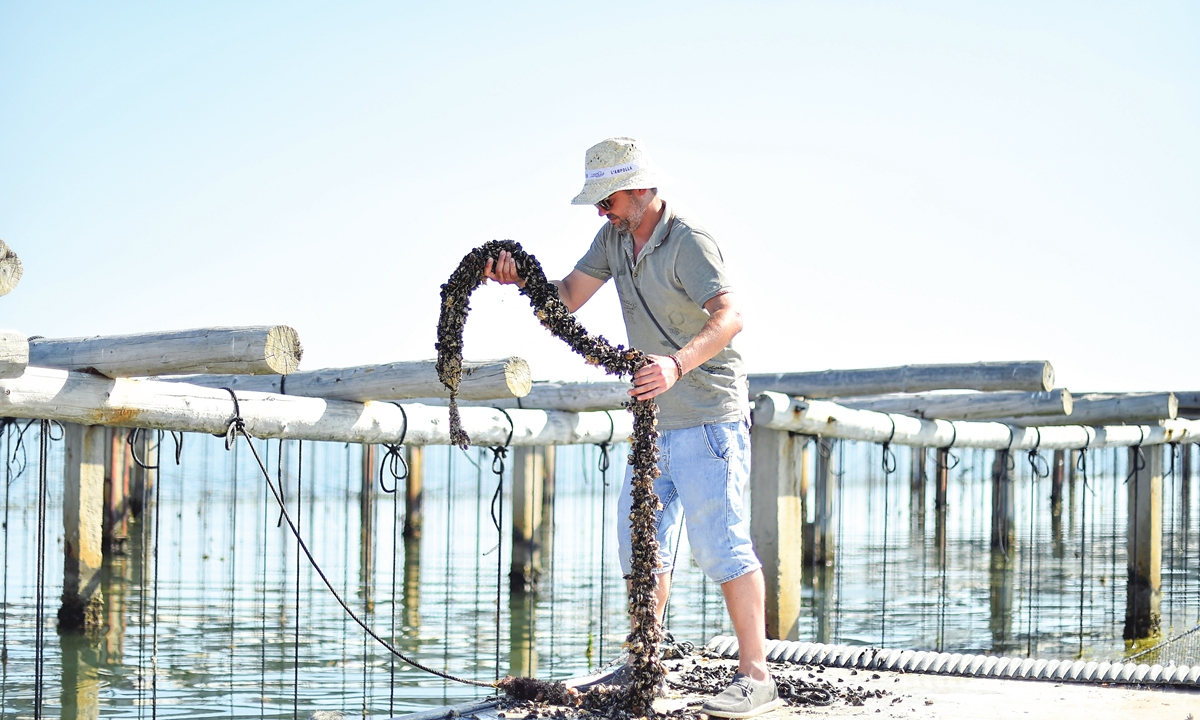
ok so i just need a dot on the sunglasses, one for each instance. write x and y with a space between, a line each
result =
606 203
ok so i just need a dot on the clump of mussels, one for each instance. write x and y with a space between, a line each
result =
617 360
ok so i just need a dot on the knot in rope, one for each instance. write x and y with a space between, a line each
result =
393 461
236 426
604 462
1139 456
889 457
1038 465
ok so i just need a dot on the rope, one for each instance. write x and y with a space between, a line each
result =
499 453
889 466
40 601
292 525
603 464
394 461
299 514
1039 468
1081 464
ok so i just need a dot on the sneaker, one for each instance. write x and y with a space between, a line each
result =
744 698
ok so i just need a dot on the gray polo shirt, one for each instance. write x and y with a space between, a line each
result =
676 274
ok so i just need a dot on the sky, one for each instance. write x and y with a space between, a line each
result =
890 183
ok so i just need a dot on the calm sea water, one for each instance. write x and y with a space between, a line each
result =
243 630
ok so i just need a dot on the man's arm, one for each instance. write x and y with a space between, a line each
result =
660 374
574 290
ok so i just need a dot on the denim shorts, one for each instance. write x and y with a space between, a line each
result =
704 474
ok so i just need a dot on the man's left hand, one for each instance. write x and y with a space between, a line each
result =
655 378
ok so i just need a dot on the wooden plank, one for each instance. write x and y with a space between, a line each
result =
14 354
257 350
776 526
10 269
821 417
94 400
83 521
1109 409
966 406
985 376
1143 608
414 380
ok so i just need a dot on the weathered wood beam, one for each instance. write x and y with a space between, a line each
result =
821 417
14 354
1189 403
257 350
414 493
152 404
1108 409
416 379
966 406
985 376
10 269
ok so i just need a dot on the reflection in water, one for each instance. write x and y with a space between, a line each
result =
233 601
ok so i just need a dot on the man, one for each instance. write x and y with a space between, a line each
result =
679 308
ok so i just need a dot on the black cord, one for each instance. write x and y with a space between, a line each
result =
499 453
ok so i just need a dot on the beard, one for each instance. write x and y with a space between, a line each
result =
633 218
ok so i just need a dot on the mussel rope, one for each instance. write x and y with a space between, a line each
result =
647 670
1039 469
888 463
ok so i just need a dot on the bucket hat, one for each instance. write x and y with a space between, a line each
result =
612 165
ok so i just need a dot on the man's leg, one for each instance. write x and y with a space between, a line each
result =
745 597
662 592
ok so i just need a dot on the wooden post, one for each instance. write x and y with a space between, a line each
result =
546 532
10 269
942 477
116 492
1057 473
917 491
366 510
529 472
824 523
83 522
1143 614
1003 509
414 491
776 525
1185 489
412 582
522 643
81 681
1001 593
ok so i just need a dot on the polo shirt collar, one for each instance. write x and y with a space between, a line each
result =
656 237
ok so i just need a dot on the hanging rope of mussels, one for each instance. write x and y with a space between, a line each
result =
647 670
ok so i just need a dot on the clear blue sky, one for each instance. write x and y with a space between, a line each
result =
891 182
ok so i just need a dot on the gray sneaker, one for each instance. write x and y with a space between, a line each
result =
744 698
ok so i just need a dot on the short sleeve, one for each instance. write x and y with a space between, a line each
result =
700 267
595 260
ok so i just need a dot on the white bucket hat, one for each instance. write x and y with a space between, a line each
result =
613 165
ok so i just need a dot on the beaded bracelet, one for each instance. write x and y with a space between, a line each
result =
678 367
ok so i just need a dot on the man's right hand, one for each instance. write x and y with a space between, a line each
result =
503 270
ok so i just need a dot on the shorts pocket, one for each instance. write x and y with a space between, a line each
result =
717 437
